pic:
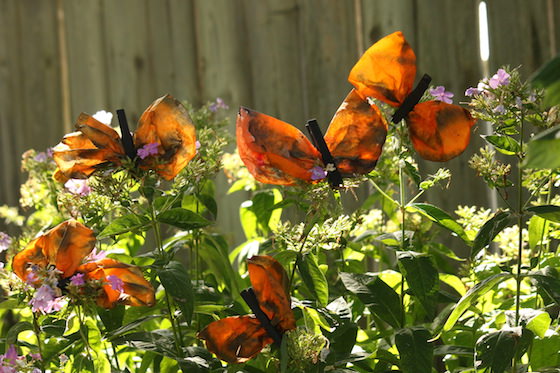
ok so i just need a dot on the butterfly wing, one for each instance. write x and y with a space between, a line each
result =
64 246
386 70
137 291
270 283
235 339
439 131
80 153
356 135
167 123
274 151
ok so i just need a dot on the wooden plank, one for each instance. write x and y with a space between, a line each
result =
519 36
381 18
87 69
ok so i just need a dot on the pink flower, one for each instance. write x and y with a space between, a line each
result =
219 104
31 278
5 241
78 187
45 300
36 356
77 279
95 255
148 149
116 283
440 94
500 78
11 355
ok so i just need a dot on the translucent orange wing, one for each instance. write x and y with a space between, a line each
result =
386 70
274 151
270 283
81 153
439 131
137 291
64 246
167 122
356 135
235 339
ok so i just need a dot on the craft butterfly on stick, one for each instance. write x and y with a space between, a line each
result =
165 127
276 152
237 339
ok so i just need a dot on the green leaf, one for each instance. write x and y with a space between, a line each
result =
416 353
539 323
177 283
547 281
214 253
489 230
548 78
182 219
112 318
537 228
421 275
412 171
379 297
472 295
548 212
125 224
13 332
545 353
543 151
441 217
314 278
130 327
496 350
504 144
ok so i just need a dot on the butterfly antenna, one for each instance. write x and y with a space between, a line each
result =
333 175
250 298
412 99
126 137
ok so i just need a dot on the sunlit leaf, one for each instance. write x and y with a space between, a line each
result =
504 144
489 230
177 283
548 212
421 275
548 77
442 218
125 224
182 219
314 278
496 350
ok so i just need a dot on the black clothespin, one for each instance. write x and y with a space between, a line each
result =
412 99
250 298
333 175
126 137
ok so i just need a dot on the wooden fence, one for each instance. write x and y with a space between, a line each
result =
287 58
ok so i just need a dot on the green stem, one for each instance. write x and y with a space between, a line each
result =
82 335
383 193
306 231
402 206
518 276
37 330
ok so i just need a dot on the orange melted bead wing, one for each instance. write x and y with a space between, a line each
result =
439 131
100 134
138 291
274 151
167 122
270 282
386 70
235 339
31 255
356 135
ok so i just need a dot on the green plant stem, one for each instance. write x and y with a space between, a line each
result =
303 240
402 206
84 337
37 330
116 356
383 192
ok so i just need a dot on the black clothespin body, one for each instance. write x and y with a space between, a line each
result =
333 175
250 298
412 99
126 137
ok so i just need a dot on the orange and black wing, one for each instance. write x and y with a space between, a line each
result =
80 153
386 70
64 246
356 135
167 123
439 131
136 289
235 339
274 151
270 283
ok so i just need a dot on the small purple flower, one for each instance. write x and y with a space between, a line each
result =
43 299
519 102
219 104
77 279
41 157
148 149
78 187
500 78
36 356
116 283
440 94
471 91
63 358
11 355
31 278
197 145
500 109
5 241
95 255
318 173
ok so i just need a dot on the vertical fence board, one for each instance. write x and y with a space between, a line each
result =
381 18
86 64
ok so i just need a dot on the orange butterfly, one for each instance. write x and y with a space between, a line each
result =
64 247
237 339
386 71
165 125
